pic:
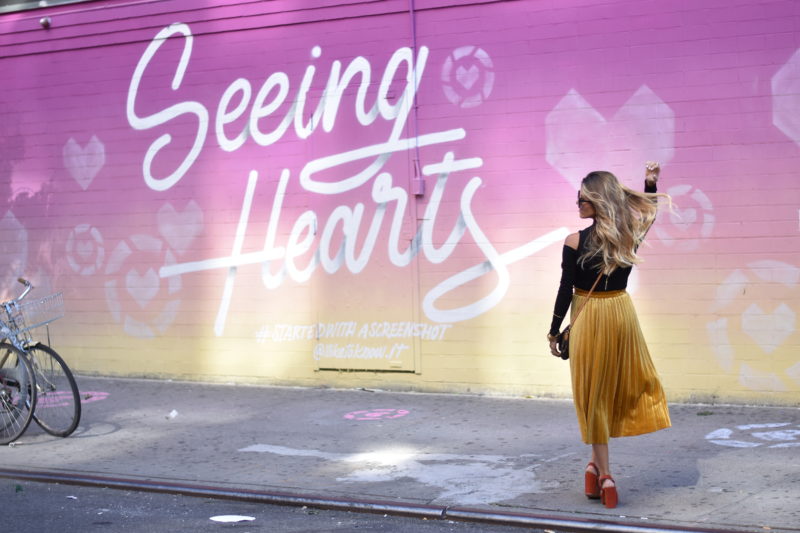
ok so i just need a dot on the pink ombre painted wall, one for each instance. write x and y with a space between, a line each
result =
277 193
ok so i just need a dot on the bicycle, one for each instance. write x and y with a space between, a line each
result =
17 394
35 379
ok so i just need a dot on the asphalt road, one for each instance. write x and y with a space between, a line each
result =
30 507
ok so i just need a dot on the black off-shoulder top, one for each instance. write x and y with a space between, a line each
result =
575 275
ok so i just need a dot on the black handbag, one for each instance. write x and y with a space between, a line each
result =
562 339
562 343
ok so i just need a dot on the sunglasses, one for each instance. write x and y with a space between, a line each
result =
582 200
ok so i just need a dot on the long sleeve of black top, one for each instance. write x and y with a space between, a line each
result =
569 264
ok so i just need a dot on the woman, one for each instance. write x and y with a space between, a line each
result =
615 386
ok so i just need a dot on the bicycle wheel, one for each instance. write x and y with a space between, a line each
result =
17 393
58 402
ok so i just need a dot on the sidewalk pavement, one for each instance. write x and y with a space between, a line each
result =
719 467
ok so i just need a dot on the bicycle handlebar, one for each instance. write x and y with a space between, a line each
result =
28 288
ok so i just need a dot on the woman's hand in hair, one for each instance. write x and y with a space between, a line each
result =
652 170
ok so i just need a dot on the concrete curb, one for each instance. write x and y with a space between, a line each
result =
430 512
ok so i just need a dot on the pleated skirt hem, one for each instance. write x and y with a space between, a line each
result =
615 386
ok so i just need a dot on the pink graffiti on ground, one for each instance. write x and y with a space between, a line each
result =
93 396
376 414
62 398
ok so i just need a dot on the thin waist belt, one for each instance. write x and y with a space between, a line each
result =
599 294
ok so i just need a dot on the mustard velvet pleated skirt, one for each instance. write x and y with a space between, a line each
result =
615 385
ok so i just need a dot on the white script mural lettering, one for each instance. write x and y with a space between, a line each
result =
310 242
302 239
277 86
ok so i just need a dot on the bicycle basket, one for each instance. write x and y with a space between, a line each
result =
35 313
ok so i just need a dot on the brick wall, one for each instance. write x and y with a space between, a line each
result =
291 231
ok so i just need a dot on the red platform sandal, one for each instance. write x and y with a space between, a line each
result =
590 483
608 495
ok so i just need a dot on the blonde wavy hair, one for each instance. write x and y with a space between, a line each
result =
622 218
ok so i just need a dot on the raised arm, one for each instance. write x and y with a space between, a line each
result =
651 173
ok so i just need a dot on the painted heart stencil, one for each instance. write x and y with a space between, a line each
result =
180 228
142 287
13 249
759 302
468 77
83 163
768 330
84 249
691 220
580 139
786 98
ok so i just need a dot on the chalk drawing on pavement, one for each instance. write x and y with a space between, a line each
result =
773 435
93 396
462 479
376 414
59 398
